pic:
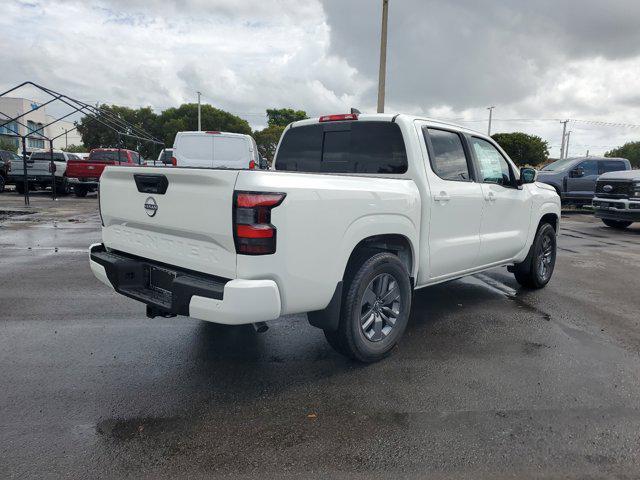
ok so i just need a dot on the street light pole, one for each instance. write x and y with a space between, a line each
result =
382 74
199 114
490 117
566 152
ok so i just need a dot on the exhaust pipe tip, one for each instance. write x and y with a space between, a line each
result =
260 327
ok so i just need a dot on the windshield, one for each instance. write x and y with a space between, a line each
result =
558 165
107 156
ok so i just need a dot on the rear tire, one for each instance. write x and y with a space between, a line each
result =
537 268
2 183
80 191
375 309
63 188
617 224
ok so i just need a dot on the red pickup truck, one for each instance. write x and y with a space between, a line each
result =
84 175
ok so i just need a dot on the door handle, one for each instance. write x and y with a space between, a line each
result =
491 197
442 197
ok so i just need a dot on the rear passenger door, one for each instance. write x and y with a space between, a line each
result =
454 206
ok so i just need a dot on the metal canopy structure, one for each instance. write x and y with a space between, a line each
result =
107 119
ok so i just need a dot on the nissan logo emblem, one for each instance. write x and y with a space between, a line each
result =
150 206
607 188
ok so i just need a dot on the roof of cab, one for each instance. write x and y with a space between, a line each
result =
391 117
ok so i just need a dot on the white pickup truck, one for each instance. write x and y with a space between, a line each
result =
357 211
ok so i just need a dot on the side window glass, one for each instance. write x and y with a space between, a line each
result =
493 166
448 159
611 166
590 167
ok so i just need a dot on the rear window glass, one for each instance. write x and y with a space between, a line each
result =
343 147
611 166
58 157
107 156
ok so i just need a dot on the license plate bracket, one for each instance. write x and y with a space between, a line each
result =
160 279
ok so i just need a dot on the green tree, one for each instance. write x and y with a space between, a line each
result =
185 118
75 149
8 145
284 116
630 151
522 148
267 141
95 134
163 126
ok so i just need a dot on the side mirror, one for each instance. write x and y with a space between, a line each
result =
577 172
528 175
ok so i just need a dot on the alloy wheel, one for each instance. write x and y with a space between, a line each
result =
380 307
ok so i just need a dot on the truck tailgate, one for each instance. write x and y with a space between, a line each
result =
85 169
188 226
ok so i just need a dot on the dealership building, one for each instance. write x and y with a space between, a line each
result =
33 123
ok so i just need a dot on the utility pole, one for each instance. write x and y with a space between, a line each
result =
199 114
566 152
382 74
490 118
564 134
66 140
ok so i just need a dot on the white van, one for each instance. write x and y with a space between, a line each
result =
215 150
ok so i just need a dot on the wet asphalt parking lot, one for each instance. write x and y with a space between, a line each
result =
489 381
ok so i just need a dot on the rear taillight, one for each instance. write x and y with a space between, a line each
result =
339 117
174 161
252 229
252 165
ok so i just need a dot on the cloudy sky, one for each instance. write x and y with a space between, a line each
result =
537 61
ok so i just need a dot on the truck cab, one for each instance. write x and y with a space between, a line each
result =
575 178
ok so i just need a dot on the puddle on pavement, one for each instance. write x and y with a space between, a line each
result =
123 429
13 214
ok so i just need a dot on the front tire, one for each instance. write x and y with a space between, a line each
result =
617 224
375 309
537 268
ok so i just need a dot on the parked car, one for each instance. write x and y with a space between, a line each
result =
575 178
617 198
39 171
6 158
84 175
215 150
165 156
359 211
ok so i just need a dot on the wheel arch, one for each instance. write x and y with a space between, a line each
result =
396 243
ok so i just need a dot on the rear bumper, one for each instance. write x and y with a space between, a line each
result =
205 297
19 178
83 181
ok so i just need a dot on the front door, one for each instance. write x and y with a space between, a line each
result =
455 204
581 180
507 208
